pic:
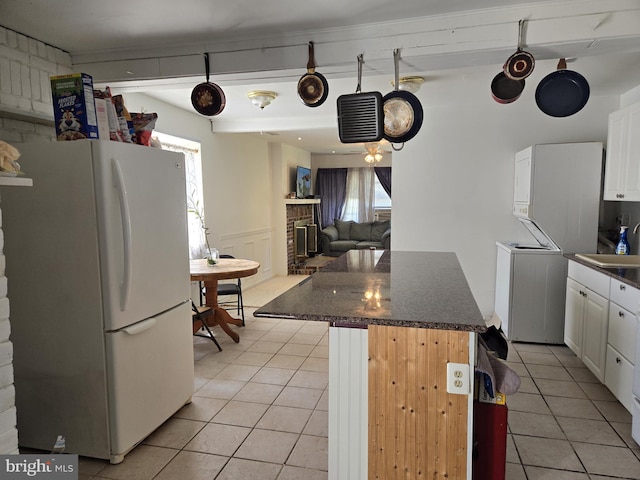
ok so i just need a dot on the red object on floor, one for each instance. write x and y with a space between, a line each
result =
489 441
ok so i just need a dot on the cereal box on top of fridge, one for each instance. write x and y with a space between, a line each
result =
73 106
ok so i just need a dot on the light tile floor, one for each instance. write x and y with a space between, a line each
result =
260 412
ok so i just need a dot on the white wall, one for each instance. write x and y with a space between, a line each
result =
284 159
245 181
236 179
453 183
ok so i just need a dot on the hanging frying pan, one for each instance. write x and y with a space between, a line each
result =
519 65
208 98
312 87
402 110
504 90
360 115
563 92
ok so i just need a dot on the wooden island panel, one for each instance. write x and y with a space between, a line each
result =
416 429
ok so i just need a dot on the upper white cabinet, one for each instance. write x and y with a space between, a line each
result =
622 171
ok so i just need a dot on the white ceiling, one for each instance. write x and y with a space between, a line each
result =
101 36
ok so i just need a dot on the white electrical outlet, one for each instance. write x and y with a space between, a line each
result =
458 378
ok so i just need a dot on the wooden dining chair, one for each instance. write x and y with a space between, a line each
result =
199 316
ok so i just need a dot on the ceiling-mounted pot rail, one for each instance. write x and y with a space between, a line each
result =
313 88
208 98
360 114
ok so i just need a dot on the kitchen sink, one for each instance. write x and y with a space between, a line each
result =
610 260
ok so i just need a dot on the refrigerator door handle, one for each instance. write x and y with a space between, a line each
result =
140 327
126 232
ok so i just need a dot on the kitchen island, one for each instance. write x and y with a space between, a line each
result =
396 322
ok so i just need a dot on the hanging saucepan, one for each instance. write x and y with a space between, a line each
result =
208 98
504 90
563 92
402 111
312 87
519 65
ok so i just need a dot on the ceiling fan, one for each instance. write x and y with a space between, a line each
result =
373 152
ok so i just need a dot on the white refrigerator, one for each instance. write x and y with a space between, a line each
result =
98 280
557 192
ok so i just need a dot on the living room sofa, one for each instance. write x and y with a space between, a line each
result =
344 236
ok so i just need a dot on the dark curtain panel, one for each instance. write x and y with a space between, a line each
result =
384 175
331 186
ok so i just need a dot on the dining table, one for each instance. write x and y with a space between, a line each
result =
209 275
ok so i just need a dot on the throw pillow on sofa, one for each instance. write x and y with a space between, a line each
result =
344 229
378 229
361 231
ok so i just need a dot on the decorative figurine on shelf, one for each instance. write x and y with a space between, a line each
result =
8 156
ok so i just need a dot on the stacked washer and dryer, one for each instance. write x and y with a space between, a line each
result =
557 195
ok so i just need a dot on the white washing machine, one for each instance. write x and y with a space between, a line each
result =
530 292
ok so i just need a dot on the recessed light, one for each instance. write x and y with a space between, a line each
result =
299 138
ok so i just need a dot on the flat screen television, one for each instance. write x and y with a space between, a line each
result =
303 182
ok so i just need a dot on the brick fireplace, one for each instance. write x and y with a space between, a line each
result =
299 211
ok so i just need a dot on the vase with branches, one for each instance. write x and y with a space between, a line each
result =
193 206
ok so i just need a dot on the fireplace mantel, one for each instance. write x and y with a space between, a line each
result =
301 201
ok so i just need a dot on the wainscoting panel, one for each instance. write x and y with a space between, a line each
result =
254 245
348 380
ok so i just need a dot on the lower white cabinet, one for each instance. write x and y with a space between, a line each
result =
601 325
587 317
621 340
586 323
619 377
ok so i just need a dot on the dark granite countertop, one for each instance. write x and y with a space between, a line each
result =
382 287
630 276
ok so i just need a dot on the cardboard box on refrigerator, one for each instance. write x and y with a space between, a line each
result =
74 109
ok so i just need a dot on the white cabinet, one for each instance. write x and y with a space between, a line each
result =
601 327
622 171
621 340
587 316
619 376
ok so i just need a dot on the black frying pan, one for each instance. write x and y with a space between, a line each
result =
505 90
313 88
563 92
402 111
208 98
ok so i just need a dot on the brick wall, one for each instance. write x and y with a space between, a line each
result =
295 212
25 67
8 431
26 115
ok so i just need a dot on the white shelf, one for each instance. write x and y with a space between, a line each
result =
301 201
16 182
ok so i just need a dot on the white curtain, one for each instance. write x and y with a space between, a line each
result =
193 172
360 195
